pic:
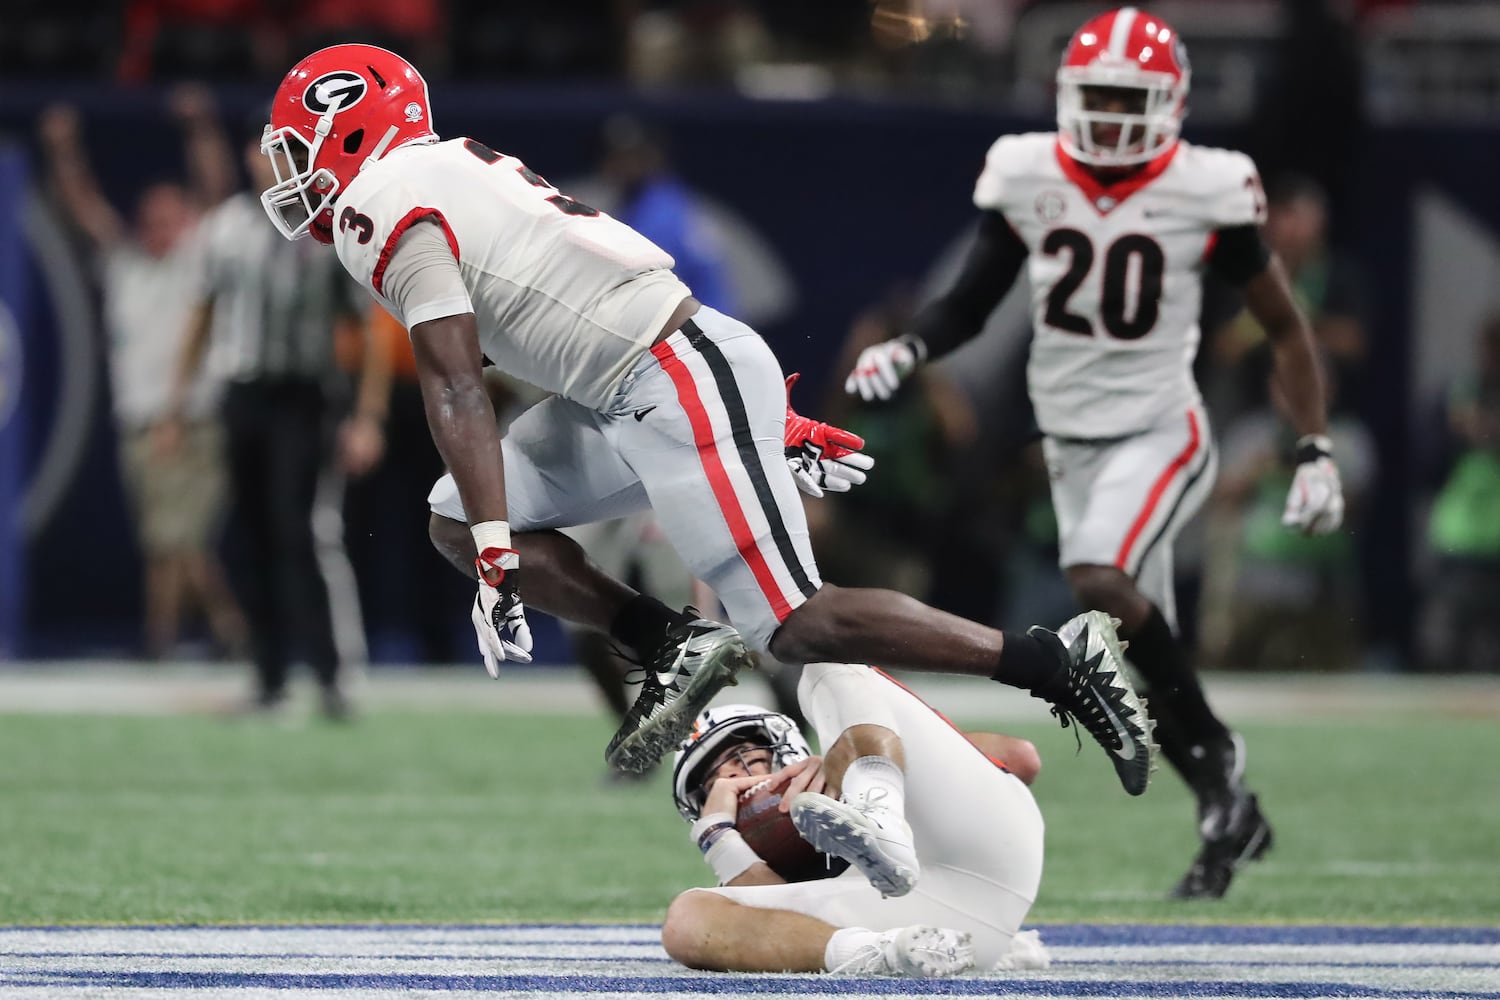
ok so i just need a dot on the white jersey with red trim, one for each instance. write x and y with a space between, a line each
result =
1116 275
566 297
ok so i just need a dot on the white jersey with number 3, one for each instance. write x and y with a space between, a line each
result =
565 297
1116 275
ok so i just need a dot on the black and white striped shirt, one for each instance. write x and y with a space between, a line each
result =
275 304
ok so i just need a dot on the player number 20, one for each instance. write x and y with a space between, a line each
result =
1118 318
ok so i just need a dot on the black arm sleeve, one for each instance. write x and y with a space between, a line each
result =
1239 254
987 274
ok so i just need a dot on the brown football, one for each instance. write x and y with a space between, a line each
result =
771 834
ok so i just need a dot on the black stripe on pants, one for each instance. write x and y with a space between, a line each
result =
744 443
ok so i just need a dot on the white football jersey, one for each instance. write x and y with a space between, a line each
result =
566 297
1116 278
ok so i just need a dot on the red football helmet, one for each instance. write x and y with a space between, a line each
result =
1126 49
337 111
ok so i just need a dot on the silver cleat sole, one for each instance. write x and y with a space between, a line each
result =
640 750
834 827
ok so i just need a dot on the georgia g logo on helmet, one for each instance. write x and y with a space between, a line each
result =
337 112
341 87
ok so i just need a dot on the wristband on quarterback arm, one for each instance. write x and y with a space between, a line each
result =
723 848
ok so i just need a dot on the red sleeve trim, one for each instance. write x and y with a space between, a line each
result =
416 215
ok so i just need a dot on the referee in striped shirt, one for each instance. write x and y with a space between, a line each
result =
290 434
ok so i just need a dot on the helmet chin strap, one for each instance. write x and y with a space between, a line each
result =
380 147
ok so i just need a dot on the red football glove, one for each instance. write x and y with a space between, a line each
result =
822 458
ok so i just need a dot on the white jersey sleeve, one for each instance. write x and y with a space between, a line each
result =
1009 157
1231 192
367 238
423 281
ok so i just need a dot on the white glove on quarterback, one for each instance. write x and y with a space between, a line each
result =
1315 505
498 617
880 369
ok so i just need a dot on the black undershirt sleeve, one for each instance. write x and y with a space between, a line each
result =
987 274
1239 254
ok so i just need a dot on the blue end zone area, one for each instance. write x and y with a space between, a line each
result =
1121 960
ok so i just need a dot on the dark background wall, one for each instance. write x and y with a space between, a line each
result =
853 197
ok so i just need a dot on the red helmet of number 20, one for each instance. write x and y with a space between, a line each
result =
337 111
1122 89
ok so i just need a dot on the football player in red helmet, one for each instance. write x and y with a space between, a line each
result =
658 402
1114 218
1121 91
337 111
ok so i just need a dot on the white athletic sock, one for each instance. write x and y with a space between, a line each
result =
845 944
867 774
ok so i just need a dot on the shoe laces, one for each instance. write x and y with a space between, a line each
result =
869 959
1084 707
873 806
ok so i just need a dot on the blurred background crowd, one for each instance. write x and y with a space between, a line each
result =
810 166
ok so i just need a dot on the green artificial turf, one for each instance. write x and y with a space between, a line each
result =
460 818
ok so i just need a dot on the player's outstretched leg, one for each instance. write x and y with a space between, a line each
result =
696 660
918 951
1097 695
865 767
1080 674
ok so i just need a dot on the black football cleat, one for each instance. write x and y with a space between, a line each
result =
1099 697
1233 828
698 659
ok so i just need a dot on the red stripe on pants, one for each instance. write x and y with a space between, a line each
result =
1157 489
718 478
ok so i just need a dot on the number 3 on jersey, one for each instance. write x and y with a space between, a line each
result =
564 204
1132 260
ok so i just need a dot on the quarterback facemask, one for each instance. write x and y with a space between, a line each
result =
743 729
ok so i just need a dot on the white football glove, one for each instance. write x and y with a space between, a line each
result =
498 617
880 369
1315 505
823 458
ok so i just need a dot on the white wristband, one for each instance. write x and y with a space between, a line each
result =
490 535
730 856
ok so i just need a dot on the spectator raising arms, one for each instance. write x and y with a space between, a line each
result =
149 273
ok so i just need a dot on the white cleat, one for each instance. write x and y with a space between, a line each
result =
916 952
867 833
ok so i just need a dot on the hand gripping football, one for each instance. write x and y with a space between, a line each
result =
771 834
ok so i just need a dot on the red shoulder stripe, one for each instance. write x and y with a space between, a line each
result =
407 221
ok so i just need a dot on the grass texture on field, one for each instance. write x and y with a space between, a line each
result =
467 818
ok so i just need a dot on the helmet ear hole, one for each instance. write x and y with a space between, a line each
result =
353 141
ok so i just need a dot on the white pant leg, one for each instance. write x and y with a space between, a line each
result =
708 448
560 470
1123 503
977 829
